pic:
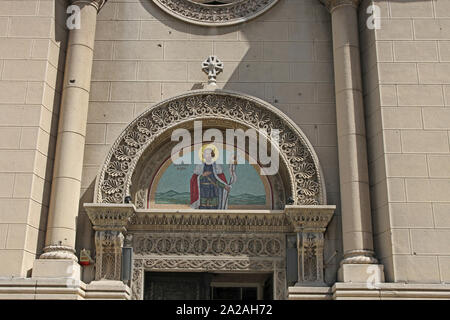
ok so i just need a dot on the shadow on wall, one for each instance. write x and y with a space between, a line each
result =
283 57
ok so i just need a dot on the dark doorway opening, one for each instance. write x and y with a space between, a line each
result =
207 286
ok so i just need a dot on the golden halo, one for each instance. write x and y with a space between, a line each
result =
208 146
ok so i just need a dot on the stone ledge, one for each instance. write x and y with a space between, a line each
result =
383 291
61 289
309 293
32 289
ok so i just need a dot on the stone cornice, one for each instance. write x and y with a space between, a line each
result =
333 4
104 217
310 218
123 217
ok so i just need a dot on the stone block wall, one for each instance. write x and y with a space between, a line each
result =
406 66
32 44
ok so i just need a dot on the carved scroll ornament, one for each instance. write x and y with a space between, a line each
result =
306 182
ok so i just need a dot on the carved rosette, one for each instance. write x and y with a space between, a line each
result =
229 13
296 153
310 224
110 225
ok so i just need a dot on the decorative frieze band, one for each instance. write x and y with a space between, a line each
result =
297 155
214 244
228 13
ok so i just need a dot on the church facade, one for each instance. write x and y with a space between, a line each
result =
233 149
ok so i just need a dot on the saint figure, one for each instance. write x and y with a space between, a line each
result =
209 187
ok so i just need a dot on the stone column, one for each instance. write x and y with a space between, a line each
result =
310 223
353 167
59 257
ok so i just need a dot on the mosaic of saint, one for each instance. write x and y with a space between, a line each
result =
219 179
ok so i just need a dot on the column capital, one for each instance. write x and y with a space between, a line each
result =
310 218
333 4
98 4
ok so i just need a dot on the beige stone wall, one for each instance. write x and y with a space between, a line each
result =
406 67
32 44
143 56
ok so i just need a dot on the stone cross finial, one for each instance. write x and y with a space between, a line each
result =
212 66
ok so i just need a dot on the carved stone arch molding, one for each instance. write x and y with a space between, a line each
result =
297 157
215 13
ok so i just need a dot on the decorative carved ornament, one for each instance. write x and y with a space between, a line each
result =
212 66
310 224
108 245
296 153
109 224
59 252
215 13
310 218
96 3
209 220
212 244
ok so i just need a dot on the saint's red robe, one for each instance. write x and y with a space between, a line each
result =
194 186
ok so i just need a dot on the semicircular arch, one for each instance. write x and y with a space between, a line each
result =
298 158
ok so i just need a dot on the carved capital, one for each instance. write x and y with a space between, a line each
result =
333 4
310 223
